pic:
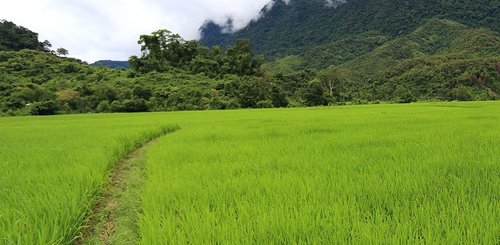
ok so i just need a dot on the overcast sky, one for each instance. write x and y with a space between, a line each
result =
109 29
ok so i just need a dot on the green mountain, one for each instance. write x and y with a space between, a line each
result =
112 64
441 60
290 29
437 38
334 53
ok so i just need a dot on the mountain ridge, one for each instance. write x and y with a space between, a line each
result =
292 28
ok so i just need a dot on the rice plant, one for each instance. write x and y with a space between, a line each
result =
422 173
418 173
52 168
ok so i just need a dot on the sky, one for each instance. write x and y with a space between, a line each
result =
109 29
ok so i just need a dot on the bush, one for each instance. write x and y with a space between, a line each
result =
462 93
315 95
278 97
103 106
116 106
135 105
44 108
265 104
232 104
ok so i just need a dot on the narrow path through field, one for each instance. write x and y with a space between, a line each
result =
113 218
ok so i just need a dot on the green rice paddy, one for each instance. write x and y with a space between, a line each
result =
418 173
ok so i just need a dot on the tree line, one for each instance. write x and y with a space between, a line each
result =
175 74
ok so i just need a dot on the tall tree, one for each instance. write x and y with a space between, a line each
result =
333 80
62 52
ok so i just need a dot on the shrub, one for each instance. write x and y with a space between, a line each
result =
265 104
135 105
44 108
462 93
103 106
116 106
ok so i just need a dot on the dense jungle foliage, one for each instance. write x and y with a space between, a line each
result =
439 59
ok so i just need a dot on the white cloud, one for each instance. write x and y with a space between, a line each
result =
109 29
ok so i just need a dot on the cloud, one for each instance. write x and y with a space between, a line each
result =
334 3
95 29
109 29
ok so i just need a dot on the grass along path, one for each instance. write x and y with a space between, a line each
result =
114 217
53 168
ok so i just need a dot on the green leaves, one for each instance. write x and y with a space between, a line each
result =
163 51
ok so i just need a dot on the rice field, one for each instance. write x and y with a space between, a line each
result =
52 167
418 173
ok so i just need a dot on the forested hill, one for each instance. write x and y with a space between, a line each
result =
292 28
15 38
440 60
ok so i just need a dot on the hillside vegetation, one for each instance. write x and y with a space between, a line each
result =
355 52
334 53
441 60
39 83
